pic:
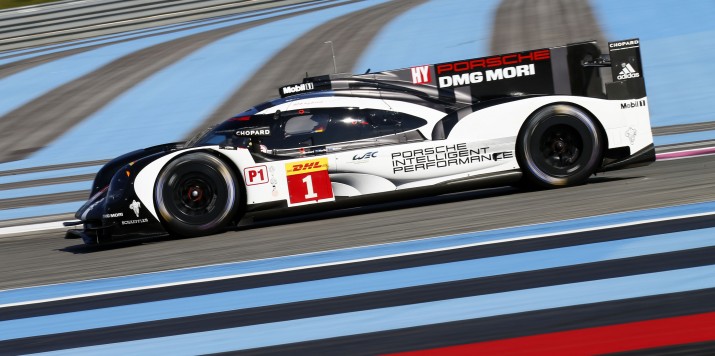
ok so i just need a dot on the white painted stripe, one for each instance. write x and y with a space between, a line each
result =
31 228
685 157
682 154
344 262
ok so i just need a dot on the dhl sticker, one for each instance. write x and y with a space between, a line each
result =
301 167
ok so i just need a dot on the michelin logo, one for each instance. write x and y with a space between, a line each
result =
134 206
627 72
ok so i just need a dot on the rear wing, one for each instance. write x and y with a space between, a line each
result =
626 70
573 69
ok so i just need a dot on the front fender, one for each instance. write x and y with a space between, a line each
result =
124 211
114 212
146 178
105 174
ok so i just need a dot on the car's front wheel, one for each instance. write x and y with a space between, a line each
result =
559 145
196 195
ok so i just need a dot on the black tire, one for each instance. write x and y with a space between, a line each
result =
196 195
559 145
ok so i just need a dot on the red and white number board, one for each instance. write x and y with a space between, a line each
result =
308 182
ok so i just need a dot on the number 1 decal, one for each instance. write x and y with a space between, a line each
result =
308 182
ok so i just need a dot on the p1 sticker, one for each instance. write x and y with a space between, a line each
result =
256 175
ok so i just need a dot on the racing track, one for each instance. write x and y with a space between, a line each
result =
40 258
31 259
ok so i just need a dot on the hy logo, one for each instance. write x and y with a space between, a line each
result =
627 72
420 75
135 205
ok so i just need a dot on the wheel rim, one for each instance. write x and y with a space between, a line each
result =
561 147
194 194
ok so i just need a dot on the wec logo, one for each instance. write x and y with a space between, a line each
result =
365 156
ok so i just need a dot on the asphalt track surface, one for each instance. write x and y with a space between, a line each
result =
45 257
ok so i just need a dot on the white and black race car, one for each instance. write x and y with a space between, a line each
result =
547 118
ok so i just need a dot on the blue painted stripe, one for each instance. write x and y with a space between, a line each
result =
413 315
685 137
435 32
58 173
18 89
167 106
33 211
365 283
45 189
334 256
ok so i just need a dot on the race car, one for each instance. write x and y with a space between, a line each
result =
545 118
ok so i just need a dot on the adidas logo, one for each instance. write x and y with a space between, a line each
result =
627 72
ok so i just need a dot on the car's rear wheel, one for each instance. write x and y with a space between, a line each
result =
560 145
196 195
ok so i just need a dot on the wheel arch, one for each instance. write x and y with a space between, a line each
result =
582 111
240 186
241 189
599 125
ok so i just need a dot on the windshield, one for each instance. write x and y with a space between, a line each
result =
230 132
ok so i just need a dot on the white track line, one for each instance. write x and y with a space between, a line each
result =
31 228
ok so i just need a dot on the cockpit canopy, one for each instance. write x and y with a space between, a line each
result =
314 130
